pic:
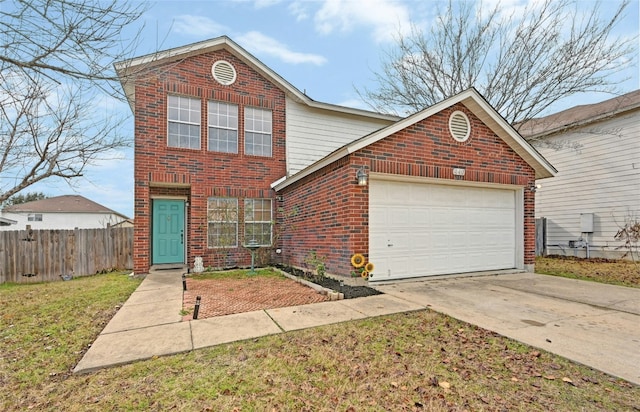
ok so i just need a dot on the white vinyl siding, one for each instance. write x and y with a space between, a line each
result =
62 220
314 133
183 122
598 172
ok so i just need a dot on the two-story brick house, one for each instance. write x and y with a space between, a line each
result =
227 152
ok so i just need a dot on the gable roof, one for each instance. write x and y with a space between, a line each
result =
128 69
580 115
61 204
474 102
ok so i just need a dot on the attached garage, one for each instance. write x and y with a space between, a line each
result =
447 190
424 228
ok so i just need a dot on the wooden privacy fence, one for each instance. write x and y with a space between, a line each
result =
28 256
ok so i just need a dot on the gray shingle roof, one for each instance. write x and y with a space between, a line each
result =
579 115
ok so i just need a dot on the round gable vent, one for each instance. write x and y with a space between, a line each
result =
459 126
223 72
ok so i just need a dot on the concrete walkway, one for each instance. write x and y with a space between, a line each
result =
149 323
594 324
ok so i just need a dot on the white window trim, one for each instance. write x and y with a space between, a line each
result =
169 120
260 132
34 217
210 126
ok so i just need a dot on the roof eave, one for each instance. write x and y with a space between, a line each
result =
582 123
128 69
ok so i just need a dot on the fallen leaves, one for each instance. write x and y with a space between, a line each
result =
444 385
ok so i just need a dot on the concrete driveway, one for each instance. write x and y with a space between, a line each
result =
591 323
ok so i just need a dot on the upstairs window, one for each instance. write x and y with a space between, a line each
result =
257 132
184 122
34 217
222 216
223 127
257 221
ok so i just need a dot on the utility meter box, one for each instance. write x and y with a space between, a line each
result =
586 222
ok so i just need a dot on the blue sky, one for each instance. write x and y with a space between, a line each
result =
327 48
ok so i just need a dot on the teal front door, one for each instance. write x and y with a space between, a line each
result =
168 231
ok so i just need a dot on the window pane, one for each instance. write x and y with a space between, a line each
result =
222 214
223 127
258 131
184 122
258 217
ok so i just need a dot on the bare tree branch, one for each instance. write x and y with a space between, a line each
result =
56 65
521 64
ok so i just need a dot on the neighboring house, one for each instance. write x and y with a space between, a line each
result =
228 153
596 149
124 223
60 212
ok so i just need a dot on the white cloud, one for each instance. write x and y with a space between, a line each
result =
261 4
258 43
385 17
354 103
299 10
201 26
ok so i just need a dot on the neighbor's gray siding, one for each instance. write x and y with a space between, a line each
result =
314 133
600 176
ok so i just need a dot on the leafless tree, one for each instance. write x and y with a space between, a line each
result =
56 76
522 64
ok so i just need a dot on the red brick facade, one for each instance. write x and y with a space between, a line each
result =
327 212
196 175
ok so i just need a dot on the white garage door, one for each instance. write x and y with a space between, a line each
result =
418 229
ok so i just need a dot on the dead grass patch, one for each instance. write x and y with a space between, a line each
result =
616 272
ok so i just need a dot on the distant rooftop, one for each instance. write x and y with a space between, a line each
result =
579 115
61 204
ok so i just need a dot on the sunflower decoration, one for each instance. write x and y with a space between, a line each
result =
357 260
364 274
369 267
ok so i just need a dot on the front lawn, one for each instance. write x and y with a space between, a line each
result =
412 362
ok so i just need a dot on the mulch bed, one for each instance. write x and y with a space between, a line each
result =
350 292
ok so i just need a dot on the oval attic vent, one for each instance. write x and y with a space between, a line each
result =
459 126
223 72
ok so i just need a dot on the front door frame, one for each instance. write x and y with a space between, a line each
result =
184 228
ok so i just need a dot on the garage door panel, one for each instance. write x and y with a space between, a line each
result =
442 229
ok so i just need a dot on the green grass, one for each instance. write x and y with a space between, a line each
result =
237 274
399 362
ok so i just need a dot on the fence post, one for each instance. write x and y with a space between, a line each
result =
541 236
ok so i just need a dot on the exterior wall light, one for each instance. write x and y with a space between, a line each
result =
362 177
534 187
